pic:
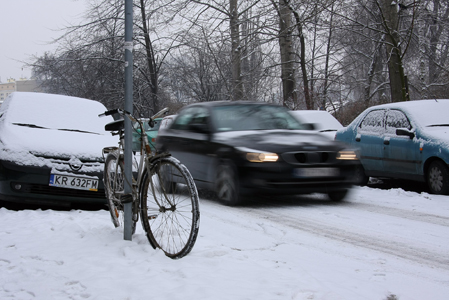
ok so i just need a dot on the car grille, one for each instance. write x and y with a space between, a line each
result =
56 191
310 157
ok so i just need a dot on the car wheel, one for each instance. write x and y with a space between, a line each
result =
166 178
438 178
359 177
227 189
338 196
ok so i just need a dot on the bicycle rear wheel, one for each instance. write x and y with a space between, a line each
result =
170 211
114 184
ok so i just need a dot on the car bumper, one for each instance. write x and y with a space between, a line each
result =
261 179
27 184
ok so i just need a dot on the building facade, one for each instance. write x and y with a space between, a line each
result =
21 85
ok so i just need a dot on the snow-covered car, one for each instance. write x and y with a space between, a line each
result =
150 131
403 140
51 149
319 120
166 121
245 148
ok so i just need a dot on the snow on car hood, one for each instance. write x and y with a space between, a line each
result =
437 135
36 126
273 140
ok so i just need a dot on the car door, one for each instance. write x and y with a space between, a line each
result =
402 154
188 139
369 139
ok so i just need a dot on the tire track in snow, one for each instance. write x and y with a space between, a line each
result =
401 213
395 248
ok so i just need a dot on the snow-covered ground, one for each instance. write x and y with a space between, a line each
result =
379 244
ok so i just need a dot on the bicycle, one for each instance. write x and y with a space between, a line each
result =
163 191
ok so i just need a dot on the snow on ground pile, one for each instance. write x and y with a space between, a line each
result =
251 252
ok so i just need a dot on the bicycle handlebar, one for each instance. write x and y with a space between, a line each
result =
111 112
124 112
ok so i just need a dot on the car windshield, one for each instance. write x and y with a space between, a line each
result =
146 125
157 124
253 117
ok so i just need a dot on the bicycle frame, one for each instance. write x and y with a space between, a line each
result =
168 207
146 154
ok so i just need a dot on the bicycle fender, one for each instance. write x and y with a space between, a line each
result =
158 156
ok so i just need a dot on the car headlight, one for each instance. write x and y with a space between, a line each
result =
253 155
347 155
261 157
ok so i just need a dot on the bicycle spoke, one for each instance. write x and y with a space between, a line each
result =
170 212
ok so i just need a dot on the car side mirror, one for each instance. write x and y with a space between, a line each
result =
405 132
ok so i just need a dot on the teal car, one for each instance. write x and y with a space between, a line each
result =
150 131
403 140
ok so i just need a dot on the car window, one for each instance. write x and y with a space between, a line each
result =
192 115
157 124
373 121
396 119
253 117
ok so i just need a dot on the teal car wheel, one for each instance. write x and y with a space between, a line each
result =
438 178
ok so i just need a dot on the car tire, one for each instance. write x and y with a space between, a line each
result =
338 196
438 178
227 187
359 177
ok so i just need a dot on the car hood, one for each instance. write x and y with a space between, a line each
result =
277 140
27 144
437 134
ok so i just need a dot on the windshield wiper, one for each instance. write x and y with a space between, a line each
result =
76 130
29 125
438 125
40 127
328 130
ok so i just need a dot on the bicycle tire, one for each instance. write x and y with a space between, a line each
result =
172 227
114 184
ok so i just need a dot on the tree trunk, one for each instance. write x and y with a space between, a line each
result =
326 65
151 61
237 88
374 61
398 86
287 58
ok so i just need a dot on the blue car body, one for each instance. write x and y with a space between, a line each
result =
402 140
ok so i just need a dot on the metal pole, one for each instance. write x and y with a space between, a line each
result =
128 107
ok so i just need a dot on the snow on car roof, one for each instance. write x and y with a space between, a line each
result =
53 111
52 125
322 119
424 112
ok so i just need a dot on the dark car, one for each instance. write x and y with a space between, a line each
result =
403 140
51 149
246 148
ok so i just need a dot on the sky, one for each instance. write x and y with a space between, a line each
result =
27 27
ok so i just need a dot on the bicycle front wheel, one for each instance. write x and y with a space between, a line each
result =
170 211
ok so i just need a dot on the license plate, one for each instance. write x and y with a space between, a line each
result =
74 182
316 172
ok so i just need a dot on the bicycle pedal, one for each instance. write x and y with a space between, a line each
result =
126 198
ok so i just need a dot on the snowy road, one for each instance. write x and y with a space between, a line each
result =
403 233
376 244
